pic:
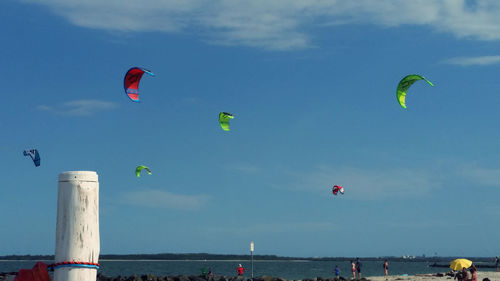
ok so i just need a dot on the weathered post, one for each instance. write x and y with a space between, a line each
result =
77 230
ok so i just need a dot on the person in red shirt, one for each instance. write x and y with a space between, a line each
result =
240 269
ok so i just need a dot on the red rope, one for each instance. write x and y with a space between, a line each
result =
73 262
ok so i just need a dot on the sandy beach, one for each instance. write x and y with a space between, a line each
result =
493 276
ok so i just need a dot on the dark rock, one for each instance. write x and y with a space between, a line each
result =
101 277
219 278
181 278
237 278
149 277
267 278
196 278
7 275
133 278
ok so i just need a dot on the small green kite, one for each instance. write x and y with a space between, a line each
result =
224 118
404 84
140 168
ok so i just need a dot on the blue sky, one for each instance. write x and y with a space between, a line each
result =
312 87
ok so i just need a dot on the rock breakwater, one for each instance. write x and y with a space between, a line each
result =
8 276
150 277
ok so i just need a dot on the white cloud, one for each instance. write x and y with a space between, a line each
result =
491 210
467 61
78 107
481 176
163 199
244 168
44 107
369 184
422 224
278 24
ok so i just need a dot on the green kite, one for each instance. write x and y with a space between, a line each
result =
404 84
224 118
140 168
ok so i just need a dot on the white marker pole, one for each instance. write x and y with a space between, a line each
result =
251 253
77 230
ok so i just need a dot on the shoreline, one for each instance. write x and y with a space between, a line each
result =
491 275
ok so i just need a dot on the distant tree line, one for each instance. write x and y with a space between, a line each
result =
205 256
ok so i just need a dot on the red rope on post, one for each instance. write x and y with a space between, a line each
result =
75 264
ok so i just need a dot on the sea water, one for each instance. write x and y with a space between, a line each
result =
286 269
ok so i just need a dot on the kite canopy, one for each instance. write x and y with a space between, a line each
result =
224 118
132 80
404 84
35 156
140 168
336 189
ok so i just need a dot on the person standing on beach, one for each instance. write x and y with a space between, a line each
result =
353 269
473 273
210 274
496 262
386 268
337 272
240 269
358 267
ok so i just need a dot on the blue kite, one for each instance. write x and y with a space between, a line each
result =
35 156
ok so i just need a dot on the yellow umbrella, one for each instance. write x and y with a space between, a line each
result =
458 264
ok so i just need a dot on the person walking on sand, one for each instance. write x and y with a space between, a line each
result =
358 267
240 269
496 262
386 268
353 269
473 273
337 272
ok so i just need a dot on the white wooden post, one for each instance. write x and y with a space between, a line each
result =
77 230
